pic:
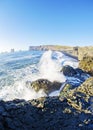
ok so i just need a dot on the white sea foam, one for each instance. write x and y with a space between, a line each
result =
20 91
48 67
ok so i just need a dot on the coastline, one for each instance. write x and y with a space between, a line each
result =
72 109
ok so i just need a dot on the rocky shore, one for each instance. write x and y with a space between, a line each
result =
44 114
71 110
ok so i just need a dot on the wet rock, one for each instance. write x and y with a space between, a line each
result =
82 75
74 82
75 77
46 85
79 97
79 71
68 71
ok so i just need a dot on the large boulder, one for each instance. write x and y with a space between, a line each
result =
46 85
68 71
86 64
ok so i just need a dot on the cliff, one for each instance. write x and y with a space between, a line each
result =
72 110
51 47
84 52
80 52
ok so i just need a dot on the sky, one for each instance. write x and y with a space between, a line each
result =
25 23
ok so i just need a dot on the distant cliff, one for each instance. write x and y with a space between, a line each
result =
68 49
80 52
84 52
50 47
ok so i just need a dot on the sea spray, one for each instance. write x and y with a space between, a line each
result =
20 67
20 91
49 68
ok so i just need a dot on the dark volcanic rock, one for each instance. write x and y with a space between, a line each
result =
79 71
46 85
75 77
68 71
56 113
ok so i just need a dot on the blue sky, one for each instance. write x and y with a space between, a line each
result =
36 22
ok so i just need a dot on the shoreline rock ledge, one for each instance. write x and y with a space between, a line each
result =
72 110
48 113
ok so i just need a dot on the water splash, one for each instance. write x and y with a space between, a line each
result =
57 92
48 67
20 91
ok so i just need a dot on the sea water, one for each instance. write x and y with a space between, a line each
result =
19 67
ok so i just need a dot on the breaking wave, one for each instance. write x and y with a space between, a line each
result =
19 67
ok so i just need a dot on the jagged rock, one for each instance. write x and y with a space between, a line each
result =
68 71
56 113
65 90
46 85
86 64
86 87
79 96
75 77
74 81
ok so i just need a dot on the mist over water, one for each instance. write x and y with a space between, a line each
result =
19 67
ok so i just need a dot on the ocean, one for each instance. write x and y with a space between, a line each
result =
17 68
